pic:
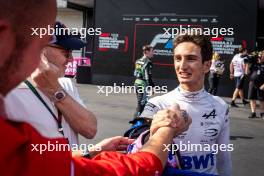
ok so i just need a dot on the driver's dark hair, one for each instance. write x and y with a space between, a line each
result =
202 41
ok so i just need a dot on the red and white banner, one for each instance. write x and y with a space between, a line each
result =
73 63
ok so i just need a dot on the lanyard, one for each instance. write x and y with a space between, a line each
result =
59 119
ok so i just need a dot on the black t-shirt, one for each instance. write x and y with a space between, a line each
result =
253 72
260 75
257 74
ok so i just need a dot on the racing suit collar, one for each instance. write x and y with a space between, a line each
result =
191 96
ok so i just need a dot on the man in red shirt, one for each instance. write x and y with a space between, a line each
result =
20 48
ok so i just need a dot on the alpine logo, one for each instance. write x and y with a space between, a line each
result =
212 115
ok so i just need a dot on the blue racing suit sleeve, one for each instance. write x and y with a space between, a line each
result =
150 109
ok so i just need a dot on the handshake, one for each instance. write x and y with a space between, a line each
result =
174 118
166 125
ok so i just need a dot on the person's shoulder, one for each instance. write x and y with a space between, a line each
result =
141 59
163 98
222 108
219 102
236 56
155 104
16 92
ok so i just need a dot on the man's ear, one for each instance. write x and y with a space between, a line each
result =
206 66
7 41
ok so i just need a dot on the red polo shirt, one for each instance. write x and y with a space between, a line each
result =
18 157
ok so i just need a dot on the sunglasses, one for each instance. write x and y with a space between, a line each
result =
66 53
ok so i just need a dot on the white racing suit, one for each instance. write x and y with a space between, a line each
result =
210 127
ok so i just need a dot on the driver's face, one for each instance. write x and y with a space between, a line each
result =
150 53
189 66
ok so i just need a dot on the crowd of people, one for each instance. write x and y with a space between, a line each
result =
244 67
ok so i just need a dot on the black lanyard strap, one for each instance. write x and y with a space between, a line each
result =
59 119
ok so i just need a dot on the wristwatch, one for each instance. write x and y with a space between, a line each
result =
86 154
58 95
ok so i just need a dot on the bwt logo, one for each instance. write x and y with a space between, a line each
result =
162 39
201 162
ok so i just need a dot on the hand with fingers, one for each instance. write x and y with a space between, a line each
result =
172 117
46 77
117 143
231 76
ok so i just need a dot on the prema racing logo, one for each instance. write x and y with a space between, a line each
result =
162 45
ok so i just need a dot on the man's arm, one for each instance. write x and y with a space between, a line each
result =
156 143
231 68
149 161
79 118
19 146
175 123
245 66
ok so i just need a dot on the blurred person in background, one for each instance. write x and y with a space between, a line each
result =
237 72
216 71
143 74
256 83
